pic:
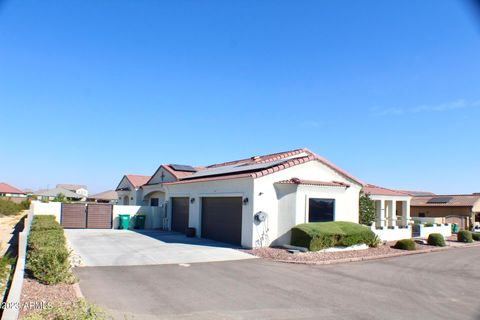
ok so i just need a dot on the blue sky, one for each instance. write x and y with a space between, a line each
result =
91 90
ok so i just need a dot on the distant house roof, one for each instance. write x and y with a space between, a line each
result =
456 200
417 193
54 192
106 195
6 188
72 186
258 166
314 183
380 191
135 180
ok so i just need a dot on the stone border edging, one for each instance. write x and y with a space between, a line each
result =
12 309
382 256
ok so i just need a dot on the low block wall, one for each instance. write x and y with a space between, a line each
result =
155 217
393 234
49 208
444 230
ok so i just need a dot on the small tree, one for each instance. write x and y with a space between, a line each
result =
367 209
60 198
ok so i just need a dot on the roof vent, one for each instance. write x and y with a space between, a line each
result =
296 180
255 158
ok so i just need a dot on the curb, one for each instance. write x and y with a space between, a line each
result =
383 256
78 291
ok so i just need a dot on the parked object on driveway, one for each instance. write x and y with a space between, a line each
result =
190 232
454 228
124 221
140 221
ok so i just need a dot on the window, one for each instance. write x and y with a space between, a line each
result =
321 210
154 202
421 215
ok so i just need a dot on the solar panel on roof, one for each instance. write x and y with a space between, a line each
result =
181 167
236 168
440 200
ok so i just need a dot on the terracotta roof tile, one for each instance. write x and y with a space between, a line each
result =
458 200
6 188
380 191
314 183
137 180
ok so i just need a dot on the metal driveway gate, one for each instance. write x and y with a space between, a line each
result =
74 215
91 216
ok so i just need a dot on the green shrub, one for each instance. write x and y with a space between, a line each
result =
476 236
8 207
464 236
428 225
436 239
319 235
405 244
80 310
47 255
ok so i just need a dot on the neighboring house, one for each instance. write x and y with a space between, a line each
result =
50 194
463 209
7 190
77 188
392 206
251 202
417 193
109 196
129 191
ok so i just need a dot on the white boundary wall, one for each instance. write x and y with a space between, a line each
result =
444 230
47 208
393 234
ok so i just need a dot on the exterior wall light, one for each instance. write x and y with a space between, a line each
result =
245 201
192 200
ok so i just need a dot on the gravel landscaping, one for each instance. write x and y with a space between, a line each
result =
382 251
33 292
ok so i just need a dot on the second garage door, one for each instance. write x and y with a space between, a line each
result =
180 208
222 219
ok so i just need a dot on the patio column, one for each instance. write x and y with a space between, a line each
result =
405 212
380 209
393 214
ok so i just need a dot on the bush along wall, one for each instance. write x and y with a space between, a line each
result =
436 239
47 254
321 235
405 244
464 236
476 236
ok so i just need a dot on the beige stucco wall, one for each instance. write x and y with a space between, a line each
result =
440 211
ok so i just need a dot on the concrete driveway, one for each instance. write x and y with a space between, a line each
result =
441 285
130 248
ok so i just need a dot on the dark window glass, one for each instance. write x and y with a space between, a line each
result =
421 215
154 202
321 210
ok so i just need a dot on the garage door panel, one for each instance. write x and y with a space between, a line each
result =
74 216
222 219
99 216
180 212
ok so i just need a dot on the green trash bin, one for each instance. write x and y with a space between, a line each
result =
140 221
124 221
454 228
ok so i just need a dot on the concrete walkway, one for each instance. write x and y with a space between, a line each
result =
130 248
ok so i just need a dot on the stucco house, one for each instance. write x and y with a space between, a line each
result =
77 188
250 202
7 190
109 196
463 209
129 189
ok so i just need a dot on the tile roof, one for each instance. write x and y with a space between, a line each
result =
380 191
417 193
458 200
137 180
6 188
314 183
106 195
293 158
54 192
72 186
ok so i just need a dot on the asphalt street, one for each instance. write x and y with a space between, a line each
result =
440 285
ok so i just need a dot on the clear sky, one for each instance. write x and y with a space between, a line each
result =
91 90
